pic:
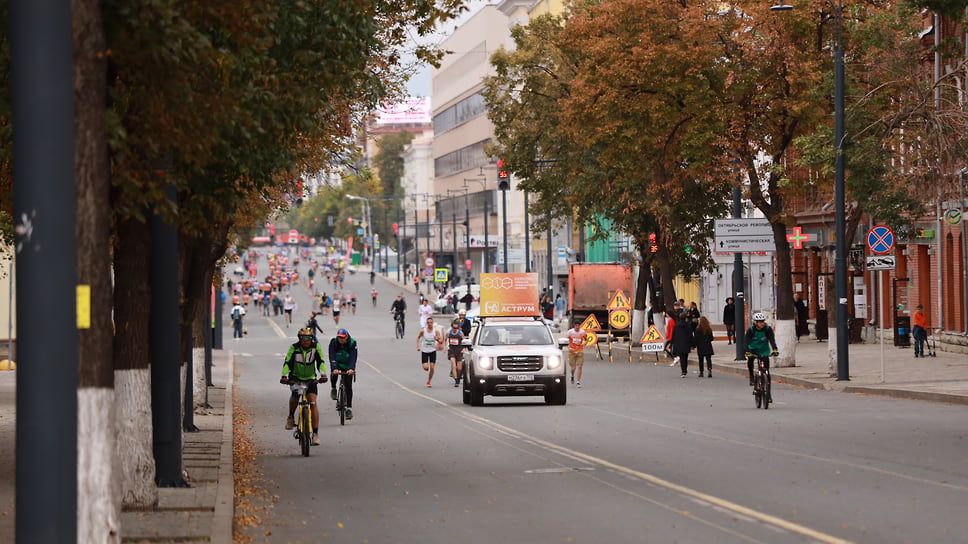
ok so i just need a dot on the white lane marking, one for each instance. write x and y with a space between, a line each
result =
687 491
787 452
279 330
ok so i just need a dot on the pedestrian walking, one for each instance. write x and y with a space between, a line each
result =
693 315
702 338
729 319
919 330
559 307
238 312
682 342
800 306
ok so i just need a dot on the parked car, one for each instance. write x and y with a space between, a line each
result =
440 305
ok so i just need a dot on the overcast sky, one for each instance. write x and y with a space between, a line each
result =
420 83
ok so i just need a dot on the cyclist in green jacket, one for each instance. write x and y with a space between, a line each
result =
761 341
342 358
304 360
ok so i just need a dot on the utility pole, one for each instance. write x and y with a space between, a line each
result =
42 93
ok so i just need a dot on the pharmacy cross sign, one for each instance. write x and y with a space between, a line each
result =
798 238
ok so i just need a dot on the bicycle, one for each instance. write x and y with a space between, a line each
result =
304 423
341 395
398 327
761 383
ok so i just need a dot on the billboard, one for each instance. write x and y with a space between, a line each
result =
511 294
411 110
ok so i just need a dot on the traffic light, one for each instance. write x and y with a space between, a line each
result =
468 264
396 229
503 180
349 220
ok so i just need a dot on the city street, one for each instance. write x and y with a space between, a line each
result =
636 455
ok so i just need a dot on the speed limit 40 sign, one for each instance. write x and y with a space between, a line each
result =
619 319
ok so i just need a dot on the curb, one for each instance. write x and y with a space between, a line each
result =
221 532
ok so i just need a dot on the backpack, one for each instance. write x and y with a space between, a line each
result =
236 314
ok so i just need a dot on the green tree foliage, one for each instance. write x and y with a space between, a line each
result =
624 99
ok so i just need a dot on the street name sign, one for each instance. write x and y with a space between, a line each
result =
739 235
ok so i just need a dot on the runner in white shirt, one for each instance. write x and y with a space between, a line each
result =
425 310
288 305
337 307
428 342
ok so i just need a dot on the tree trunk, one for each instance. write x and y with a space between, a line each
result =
98 484
785 326
644 279
132 374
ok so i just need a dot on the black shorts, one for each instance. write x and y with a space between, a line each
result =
456 353
428 357
310 390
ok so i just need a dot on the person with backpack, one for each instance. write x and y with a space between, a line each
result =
238 312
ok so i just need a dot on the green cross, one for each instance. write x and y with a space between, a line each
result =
798 238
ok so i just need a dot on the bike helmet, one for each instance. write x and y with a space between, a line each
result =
759 316
305 334
342 333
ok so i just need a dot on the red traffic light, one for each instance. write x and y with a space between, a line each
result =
349 219
468 264
396 229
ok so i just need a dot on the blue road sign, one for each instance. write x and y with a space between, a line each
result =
880 240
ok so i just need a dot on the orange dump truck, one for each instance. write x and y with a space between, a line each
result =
592 285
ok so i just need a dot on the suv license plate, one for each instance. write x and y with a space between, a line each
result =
520 377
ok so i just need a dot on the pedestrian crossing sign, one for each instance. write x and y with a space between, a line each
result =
440 274
591 324
619 302
652 335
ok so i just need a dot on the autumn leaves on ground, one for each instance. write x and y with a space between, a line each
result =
252 500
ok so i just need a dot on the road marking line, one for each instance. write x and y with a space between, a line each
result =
788 452
279 330
687 491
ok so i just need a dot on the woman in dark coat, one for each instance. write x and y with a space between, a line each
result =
682 341
729 319
702 338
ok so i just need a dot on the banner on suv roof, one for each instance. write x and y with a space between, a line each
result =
510 294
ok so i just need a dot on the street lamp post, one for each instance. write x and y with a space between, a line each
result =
486 261
504 199
840 259
527 236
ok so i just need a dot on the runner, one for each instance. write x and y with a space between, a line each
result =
428 343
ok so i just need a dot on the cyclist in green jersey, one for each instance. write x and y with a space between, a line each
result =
761 341
304 360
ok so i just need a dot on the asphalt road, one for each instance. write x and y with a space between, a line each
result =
637 455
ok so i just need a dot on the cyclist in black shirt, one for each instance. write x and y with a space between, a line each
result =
399 311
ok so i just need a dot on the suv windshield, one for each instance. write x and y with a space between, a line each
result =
501 335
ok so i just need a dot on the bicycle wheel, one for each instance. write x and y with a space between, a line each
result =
341 401
399 329
758 390
766 393
305 431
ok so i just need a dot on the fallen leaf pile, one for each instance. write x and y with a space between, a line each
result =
252 500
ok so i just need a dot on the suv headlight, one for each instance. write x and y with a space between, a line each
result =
485 363
554 361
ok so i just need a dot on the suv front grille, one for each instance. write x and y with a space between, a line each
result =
520 363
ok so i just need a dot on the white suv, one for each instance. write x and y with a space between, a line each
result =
513 356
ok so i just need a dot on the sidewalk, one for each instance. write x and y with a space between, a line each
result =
203 512
943 378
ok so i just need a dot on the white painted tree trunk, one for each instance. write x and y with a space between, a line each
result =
135 437
638 326
198 382
98 484
785 331
832 352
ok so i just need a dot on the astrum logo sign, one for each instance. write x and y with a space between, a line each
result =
514 294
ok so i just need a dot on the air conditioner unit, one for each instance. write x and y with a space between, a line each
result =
931 251
906 252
